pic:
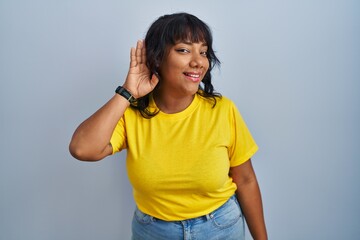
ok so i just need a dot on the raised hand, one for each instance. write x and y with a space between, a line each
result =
138 80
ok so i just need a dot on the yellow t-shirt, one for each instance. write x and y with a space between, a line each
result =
178 164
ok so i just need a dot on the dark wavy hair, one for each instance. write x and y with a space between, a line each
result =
167 31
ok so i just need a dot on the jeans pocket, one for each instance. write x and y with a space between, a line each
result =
227 215
143 218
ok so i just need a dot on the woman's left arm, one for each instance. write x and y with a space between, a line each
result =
249 197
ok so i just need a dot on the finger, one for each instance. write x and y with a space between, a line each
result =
143 52
138 51
133 61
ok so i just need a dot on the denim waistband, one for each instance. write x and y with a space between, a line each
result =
211 215
226 222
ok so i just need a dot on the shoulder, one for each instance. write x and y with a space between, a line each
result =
223 106
225 103
131 113
225 100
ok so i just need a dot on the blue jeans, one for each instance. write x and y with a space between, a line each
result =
225 223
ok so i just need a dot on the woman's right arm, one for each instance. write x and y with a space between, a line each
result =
91 140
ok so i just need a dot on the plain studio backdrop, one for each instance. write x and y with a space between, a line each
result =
291 67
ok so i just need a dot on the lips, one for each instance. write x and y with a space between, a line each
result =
193 76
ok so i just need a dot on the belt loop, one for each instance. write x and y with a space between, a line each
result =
209 216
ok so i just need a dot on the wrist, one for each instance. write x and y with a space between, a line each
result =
122 91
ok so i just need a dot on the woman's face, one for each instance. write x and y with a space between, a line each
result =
183 68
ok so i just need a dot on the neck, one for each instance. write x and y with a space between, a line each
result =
168 103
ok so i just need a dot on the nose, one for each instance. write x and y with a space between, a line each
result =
198 61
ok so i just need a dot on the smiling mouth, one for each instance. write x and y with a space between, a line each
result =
195 77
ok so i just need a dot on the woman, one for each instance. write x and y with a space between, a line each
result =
188 149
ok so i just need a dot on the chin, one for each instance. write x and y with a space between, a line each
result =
192 90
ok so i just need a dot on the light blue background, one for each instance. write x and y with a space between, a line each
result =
292 68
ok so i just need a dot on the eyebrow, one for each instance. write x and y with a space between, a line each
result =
191 43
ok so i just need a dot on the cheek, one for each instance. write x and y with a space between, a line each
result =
207 64
206 67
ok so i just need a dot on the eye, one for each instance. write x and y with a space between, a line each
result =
182 50
204 53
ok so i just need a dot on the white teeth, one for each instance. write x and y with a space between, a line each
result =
192 75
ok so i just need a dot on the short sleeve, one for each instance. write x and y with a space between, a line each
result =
242 146
118 138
